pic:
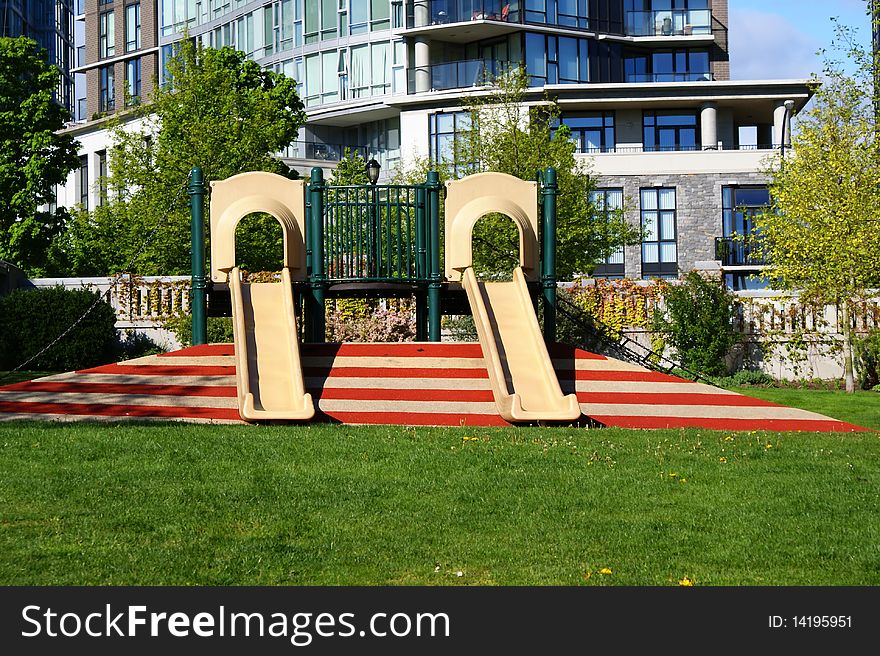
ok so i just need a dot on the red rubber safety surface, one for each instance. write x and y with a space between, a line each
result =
380 395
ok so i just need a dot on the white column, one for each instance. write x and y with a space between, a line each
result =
422 64
709 125
421 13
782 123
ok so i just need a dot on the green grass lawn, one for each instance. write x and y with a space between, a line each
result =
335 505
860 408
7 378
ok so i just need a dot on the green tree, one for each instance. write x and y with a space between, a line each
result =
217 110
508 137
822 233
34 157
351 170
696 319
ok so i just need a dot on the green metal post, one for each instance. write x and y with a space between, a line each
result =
548 255
199 300
434 285
421 265
316 239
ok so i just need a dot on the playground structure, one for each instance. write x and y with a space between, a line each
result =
384 240
374 240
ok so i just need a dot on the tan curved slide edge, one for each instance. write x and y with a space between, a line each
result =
268 368
521 373
471 198
234 198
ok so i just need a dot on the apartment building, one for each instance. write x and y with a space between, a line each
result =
644 86
50 24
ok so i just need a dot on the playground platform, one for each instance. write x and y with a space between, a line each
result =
436 384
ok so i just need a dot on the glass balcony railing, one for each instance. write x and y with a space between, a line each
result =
441 12
736 251
670 77
669 22
321 151
460 74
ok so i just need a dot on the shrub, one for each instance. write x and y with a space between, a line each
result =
32 319
745 377
133 345
219 329
866 351
697 321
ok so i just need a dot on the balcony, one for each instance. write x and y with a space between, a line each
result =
670 77
460 74
738 252
443 12
321 151
669 22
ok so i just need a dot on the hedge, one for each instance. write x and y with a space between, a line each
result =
31 319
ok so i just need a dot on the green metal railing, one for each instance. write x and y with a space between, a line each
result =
372 234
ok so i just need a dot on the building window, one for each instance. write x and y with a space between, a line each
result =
608 202
106 35
107 97
670 130
321 19
556 60
132 27
446 130
667 66
133 81
83 181
592 132
739 207
102 176
659 250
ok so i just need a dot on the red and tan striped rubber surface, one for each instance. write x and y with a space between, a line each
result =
404 384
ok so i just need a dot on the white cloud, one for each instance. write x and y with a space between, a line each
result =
764 45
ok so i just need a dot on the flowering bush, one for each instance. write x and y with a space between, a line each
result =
370 320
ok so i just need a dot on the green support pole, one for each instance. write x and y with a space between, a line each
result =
548 255
316 239
434 285
199 299
421 266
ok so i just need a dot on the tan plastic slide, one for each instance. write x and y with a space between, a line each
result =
520 371
268 368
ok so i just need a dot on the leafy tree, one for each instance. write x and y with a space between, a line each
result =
351 170
217 110
33 156
696 319
822 234
507 137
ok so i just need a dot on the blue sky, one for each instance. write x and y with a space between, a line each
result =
778 39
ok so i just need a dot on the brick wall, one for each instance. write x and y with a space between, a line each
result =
720 53
149 62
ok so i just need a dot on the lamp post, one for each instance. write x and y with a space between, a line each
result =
373 218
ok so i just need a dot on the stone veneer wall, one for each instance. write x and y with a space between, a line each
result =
698 211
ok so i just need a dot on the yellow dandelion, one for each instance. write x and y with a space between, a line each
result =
686 582
768 446
722 459
605 570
